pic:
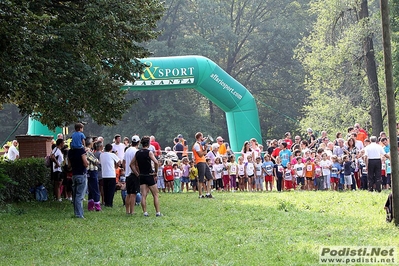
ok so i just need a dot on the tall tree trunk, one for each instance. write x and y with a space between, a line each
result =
211 112
371 70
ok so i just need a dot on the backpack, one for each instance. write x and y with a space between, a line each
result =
41 193
49 159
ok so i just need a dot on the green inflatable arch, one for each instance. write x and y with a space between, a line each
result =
202 74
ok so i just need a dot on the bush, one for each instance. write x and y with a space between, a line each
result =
24 174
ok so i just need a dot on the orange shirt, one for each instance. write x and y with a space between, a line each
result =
361 136
222 149
309 170
197 158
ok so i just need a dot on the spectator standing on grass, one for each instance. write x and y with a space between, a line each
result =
233 168
56 176
225 173
67 175
193 176
326 166
132 181
118 147
373 153
13 153
258 175
309 169
299 172
278 170
98 149
160 179
177 174
92 179
199 151
185 173
108 161
168 175
141 166
250 173
217 170
267 172
241 173
347 172
335 172
79 164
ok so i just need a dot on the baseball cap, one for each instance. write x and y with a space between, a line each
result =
310 130
135 138
180 136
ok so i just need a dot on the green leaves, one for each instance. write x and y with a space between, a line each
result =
53 56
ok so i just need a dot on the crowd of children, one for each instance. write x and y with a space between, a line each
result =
326 165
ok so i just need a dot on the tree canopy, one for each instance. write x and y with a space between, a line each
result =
62 60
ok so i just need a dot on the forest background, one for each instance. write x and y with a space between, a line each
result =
308 63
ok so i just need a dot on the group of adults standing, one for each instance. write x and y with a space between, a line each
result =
94 168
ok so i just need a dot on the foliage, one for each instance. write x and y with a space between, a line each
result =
4 181
251 40
232 229
24 174
334 57
63 59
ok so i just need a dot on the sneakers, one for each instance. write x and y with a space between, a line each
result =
158 214
90 205
97 206
201 197
146 214
209 196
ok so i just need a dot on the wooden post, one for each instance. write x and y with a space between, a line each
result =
391 108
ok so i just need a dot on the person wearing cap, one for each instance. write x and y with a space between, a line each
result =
156 145
132 181
118 147
223 147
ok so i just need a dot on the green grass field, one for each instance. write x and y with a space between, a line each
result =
231 229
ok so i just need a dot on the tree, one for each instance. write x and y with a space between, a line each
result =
253 40
64 59
338 56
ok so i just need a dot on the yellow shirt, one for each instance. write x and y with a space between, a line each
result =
193 173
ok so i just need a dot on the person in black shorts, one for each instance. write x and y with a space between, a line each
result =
141 166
